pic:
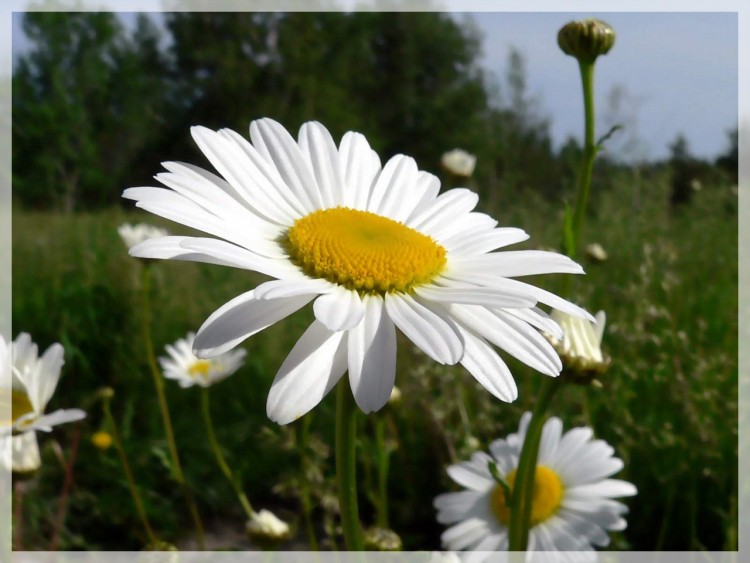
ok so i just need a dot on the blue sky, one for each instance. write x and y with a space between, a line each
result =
675 72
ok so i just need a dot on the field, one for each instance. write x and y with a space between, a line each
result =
668 404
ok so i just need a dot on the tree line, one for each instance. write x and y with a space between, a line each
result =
97 104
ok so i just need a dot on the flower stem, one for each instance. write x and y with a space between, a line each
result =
383 461
304 430
589 154
346 470
117 440
220 459
177 473
523 487
67 483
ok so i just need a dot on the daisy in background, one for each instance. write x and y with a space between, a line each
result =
375 248
459 162
188 370
134 234
573 506
28 383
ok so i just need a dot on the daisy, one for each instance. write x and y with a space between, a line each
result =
580 347
183 366
572 508
134 234
29 382
375 247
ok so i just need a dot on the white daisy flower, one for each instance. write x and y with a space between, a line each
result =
134 234
572 508
580 347
183 366
375 247
459 162
30 386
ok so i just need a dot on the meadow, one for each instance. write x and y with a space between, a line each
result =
668 403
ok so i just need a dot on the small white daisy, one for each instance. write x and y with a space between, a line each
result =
27 382
183 366
375 247
459 162
134 234
572 508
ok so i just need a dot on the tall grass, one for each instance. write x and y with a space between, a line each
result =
668 404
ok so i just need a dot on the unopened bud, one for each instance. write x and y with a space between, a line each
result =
586 39
382 539
101 439
266 527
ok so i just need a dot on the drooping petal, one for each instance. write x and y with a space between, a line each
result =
312 368
240 318
429 331
372 356
484 364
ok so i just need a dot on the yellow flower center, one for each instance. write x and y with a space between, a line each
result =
20 405
200 368
548 494
363 251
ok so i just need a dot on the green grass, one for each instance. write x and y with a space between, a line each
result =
668 404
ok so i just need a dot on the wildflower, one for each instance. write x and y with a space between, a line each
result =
29 382
375 247
382 539
183 366
101 440
572 508
265 525
395 397
596 252
134 234
580 346
459 162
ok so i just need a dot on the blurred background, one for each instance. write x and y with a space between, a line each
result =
100 99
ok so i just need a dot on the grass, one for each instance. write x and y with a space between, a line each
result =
668 403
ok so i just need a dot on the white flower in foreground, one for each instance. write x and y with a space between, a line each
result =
27 383
266 525
376 248
183 366
134 234
572 508
459 162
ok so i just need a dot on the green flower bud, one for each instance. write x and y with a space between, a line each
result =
382 539
586 39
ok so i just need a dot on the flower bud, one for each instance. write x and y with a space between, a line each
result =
586 39
382 539
459 162
266 527
580 348
101 439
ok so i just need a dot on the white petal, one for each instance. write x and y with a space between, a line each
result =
360 166
487 367
239 319
318 147
465 534
397 182
312 368
551 433
468 222
428 185
538 319
513 263
372 356
486 296
448 207
278 147
473 475
292 287
425 328
512 335
42 382
606 488
263 186
487 241
47 421
454 507
341 309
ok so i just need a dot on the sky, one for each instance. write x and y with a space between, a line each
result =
671 73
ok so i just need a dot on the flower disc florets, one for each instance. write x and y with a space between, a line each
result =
363 251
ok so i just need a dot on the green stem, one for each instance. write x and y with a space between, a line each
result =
523 487
382 456
346 470
177 473
128 472
589 152
220 459
307 509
